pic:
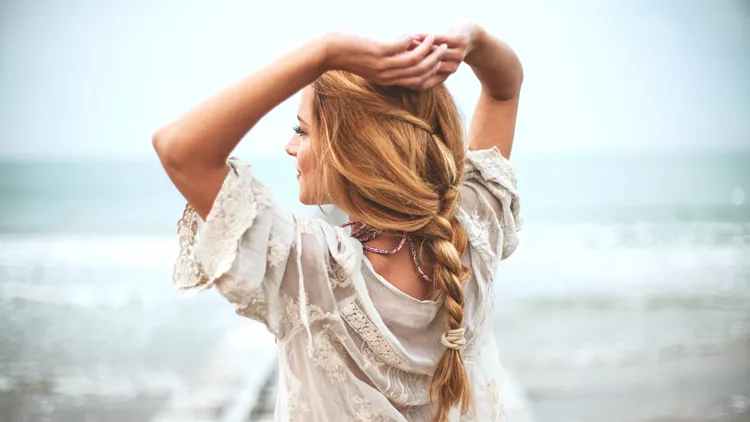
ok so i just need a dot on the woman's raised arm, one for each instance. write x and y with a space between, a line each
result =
499 71
194 148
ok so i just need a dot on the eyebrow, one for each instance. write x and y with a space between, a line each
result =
301 120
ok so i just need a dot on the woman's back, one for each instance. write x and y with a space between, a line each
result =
348 338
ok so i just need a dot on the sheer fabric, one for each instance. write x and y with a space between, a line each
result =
351 346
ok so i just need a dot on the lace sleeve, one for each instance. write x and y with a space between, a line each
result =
490 207
274 268
208 249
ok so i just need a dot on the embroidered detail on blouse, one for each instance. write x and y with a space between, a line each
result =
492 400
337 274
371 358
481 227
307 226
256 307
365 411
327 354
299 411
187 267
477 232
293 319
491 164
262 196
357 319
277 251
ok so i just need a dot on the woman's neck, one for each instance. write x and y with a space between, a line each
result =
398 269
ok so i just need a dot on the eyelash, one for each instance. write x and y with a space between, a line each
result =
298 130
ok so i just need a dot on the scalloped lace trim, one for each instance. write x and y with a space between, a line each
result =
188 273
208 249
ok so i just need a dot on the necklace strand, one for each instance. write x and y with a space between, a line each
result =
363 233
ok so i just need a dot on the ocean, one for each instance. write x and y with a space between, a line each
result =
627 300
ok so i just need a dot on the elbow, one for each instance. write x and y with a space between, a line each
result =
161 139
513 76
512 89
506 85
519 72
177 155
157 141
515 79
182 153
164 148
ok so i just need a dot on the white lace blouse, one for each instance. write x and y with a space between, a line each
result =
351 346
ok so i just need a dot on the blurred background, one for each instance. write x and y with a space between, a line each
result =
628 299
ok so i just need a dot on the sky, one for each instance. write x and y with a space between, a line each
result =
86 78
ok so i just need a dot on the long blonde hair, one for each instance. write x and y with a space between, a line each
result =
393 159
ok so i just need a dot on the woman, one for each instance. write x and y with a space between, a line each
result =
387 318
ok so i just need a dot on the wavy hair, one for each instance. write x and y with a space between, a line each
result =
393 158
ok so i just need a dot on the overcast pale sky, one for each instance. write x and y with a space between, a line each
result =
97 78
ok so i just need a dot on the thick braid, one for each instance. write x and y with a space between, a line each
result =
450 384
445 240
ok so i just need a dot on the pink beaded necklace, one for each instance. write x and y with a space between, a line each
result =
364 234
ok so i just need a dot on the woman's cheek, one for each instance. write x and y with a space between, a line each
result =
303 155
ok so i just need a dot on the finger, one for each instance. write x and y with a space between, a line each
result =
416 81
448 67
425 66
426 84
453 40
454 55
431 82
414 44
399 46
410 58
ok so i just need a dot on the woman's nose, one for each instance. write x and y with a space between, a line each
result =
292 146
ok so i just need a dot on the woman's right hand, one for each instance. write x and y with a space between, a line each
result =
404 62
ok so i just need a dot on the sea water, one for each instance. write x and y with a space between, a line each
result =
628 298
